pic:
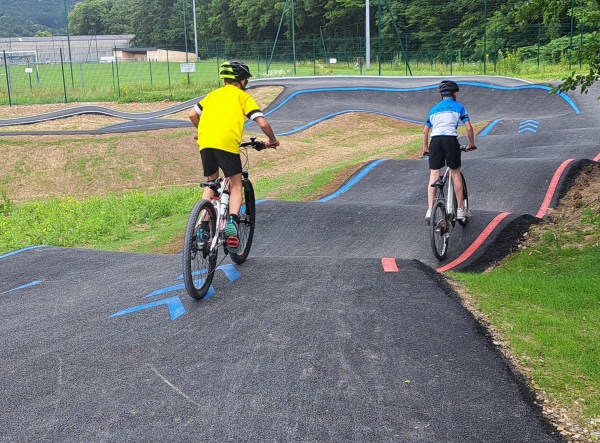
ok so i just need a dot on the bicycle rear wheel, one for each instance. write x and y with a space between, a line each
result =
246 226
439 230
465 200
199 261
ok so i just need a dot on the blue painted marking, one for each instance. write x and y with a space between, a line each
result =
351 182
228 269
176 309
165 290
566 98
33 283
489 127
528 125
19 251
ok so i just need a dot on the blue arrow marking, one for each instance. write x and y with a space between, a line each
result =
528 125
527 129
229 270
33 283
210 292
176 309
165 290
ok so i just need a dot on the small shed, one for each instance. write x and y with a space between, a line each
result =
152 54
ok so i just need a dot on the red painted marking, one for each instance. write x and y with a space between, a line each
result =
389 265
597 158
476 244
552 188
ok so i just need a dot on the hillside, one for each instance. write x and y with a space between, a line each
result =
23 18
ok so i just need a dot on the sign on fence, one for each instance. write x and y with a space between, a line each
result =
187 67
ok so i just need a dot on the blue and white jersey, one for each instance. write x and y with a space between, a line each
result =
444 117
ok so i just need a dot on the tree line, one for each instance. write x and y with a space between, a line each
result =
428 22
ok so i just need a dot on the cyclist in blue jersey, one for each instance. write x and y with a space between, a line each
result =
444 149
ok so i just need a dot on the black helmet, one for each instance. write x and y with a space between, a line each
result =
234 70
448 87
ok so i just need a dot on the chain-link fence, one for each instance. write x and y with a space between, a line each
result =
90 69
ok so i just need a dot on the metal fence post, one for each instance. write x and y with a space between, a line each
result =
62 67
169 71
118 80
7 80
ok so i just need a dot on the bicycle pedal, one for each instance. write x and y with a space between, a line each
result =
233 242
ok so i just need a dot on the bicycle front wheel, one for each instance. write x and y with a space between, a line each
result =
439 230
464 221
246 226
199 259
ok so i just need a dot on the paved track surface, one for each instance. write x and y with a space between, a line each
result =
313 338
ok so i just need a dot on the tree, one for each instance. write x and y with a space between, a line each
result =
586 12
89 17
101 17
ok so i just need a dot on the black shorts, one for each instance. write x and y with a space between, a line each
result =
444 150
213 159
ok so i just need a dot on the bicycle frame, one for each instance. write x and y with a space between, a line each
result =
450 197
220 201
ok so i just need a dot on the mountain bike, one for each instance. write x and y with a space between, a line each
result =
443 214
205 229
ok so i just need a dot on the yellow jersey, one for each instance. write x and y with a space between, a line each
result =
222 116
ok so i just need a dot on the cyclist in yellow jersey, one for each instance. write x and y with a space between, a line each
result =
220 118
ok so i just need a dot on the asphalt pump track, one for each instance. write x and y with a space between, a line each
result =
339 327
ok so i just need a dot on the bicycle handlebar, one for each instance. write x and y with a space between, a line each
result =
256 144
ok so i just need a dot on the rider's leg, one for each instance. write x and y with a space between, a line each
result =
434 174
235 202
458 187
235 194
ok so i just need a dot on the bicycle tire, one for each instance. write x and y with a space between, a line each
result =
199 261
439 230
464 221
247 222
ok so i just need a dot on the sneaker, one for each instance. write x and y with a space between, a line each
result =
231 234
461 213
428 217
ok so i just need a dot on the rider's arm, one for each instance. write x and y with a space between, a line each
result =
194 117
426 139
470 134
268 131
